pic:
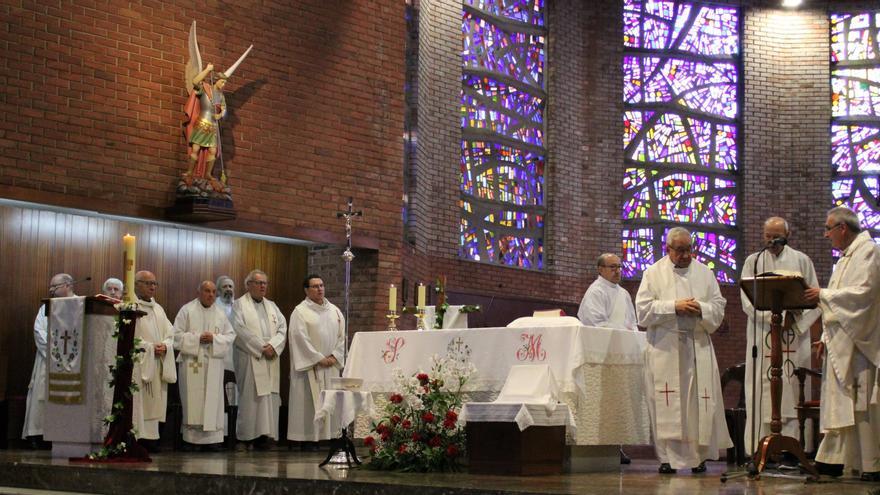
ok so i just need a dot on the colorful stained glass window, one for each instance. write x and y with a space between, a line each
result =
855 110
681 68
502 125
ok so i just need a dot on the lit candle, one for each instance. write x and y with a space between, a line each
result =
421 304
392 298
128 257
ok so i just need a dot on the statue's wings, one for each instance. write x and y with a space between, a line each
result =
194 64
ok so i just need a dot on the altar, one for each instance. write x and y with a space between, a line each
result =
600 371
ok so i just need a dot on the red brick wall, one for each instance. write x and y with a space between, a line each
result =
93 97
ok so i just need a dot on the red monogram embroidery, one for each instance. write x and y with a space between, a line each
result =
531 348
392 349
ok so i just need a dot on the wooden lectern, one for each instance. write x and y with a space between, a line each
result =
776 293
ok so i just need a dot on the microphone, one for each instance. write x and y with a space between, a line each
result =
778 241
55 287
87 279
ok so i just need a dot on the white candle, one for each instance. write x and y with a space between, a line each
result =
392 298
421 304
128 260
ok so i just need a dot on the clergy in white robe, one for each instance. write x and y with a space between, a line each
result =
850 412
680 304
317 350
155 368
61 285
777 257
203 337
260 335
607 304
225 301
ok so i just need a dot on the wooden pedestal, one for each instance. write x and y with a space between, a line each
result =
500 448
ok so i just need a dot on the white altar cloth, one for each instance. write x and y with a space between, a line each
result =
340 407
524 415
600 371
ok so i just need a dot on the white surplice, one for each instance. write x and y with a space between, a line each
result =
797 351
850 413
37 388
152 373
258 379
316 331
607 305
201 369
686 404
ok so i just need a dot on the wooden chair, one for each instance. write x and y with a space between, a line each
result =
736 416
807 408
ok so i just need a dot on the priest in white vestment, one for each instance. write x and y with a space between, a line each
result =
317 350
680 304
155 368
260 334
606 303
225 301
850 409
776 257
61 285
203 337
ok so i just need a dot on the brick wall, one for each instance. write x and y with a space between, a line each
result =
93 98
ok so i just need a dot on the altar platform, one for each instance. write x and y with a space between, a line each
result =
284 472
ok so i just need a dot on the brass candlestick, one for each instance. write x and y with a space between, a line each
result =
392 320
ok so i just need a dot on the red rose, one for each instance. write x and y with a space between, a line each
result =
416 437
423 378
451 415
385 435
406 424
369 441
402 448
428 417
395 419
448 424
434 441
381 428
452 450
396 398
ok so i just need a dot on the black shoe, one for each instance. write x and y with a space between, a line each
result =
699 469
624 459
833 470
188 447
870 476
262 443
212 447
665 468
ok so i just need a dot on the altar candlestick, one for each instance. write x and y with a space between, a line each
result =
392 298
128 260
421 295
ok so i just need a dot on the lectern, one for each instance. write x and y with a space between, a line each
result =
777 293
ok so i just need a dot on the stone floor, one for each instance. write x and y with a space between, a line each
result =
282 471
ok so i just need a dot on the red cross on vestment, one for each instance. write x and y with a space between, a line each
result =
666 391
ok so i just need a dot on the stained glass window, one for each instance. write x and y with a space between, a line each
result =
855 123
502 126
681 67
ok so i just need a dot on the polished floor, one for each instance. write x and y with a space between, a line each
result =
282 471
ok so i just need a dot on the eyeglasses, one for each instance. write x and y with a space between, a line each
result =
832 227
259 282
149 283
681 249
613 267
316 286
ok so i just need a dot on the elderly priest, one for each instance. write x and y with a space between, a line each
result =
203 337
606 303
680 303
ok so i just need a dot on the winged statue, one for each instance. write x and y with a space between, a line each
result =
205 108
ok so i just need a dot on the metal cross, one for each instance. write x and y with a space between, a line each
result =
706 398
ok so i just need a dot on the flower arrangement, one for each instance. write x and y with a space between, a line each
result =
442 306
419 429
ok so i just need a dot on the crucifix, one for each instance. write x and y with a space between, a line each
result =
66 337
458 342
705 398
348 256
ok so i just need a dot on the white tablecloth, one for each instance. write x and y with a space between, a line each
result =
524 415
599 370
341 407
